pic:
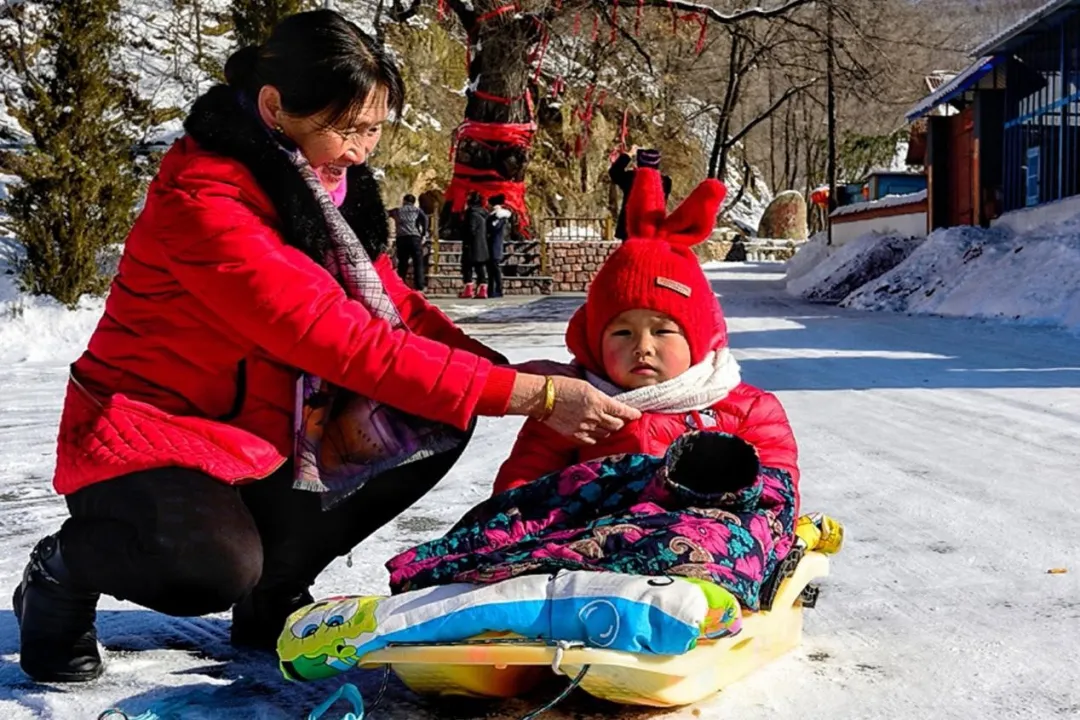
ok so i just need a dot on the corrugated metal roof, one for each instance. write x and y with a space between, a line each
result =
961 82
1032 25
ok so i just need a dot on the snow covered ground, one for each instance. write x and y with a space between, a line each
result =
949 447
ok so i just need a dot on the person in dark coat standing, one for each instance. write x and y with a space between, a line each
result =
411 227
623 178
498 228
474 248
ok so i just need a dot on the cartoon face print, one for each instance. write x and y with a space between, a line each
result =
321 639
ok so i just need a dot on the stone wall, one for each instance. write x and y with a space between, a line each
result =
572 264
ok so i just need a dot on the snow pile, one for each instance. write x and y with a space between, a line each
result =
746 213
807 257
995 273
39 329
852 265
888 201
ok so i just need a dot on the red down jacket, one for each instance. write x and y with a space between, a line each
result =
209 322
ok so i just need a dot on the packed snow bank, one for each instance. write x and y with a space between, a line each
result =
807 257
850 266
39 329
889 201
995 273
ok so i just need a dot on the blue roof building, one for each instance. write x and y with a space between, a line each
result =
1004 133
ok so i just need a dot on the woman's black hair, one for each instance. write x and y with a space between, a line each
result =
321 63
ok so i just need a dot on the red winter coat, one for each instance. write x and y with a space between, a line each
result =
212 316
747 412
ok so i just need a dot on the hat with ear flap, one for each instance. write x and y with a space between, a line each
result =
655 269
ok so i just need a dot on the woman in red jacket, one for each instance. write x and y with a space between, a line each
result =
256 273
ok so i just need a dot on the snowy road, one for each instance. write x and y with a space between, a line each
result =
950 448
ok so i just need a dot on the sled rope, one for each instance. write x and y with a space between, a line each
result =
348 692
352 694
561 696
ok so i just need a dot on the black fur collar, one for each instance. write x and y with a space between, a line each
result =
219 123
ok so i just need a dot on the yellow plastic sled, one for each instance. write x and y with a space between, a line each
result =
503 670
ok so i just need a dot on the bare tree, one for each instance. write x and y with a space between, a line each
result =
505 42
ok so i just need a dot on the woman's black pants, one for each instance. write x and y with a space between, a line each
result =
179 542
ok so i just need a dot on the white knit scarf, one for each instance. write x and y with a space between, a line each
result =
699 388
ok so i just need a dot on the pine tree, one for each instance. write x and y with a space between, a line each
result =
79 177
254 19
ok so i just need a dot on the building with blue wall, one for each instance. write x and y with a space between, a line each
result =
1004 133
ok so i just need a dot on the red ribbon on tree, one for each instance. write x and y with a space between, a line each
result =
488 182
586 112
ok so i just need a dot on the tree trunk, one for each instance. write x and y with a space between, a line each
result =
830 81
721 145
791 157
499 79
772 133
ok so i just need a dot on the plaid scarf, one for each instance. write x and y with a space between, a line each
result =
344 439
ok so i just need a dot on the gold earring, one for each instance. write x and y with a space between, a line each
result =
279 130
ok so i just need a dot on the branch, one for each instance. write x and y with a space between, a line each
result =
748 175
464 13
722 18
788 94
398 13
380 28
28 74
634 42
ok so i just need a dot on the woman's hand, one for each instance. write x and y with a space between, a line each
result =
581 411
586 414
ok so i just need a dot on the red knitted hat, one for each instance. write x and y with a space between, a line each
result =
655 269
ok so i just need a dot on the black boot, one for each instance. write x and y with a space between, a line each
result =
259 618
58 641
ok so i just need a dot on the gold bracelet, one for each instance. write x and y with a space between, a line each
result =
549 398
